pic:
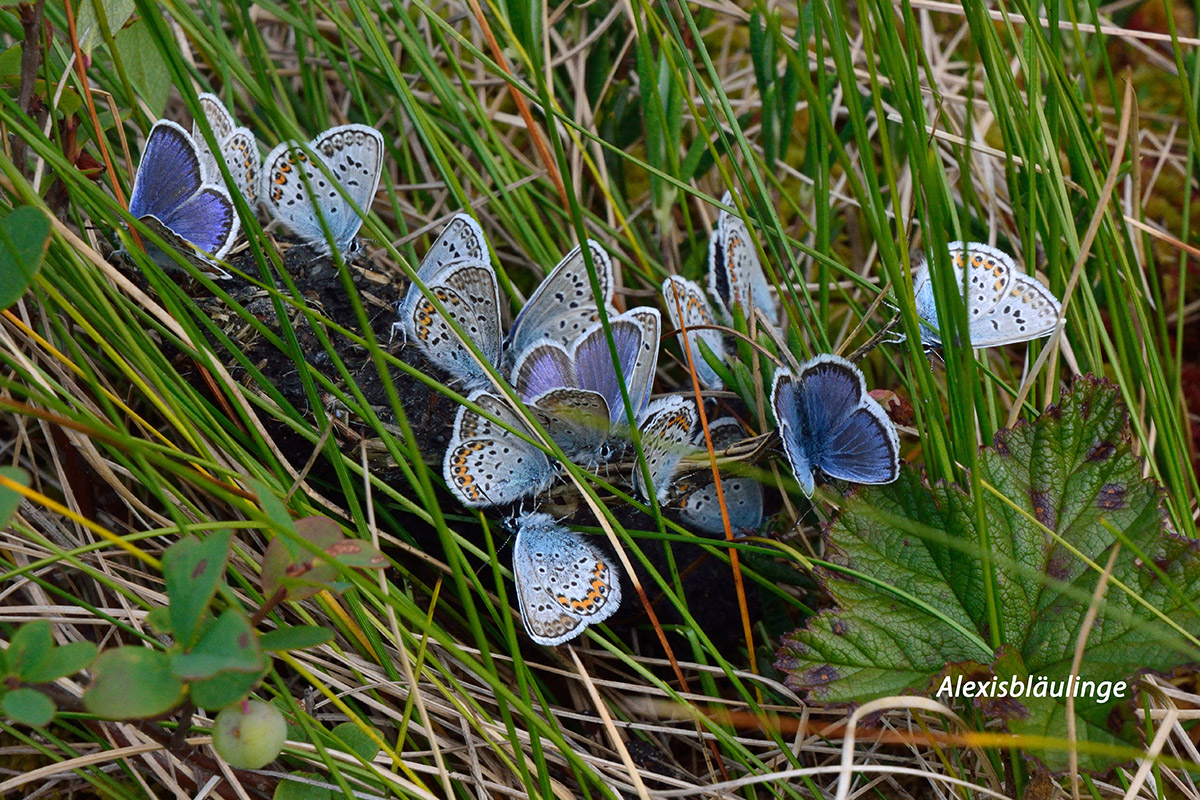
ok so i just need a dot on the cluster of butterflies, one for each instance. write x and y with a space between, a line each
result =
180 192
583 371
575 362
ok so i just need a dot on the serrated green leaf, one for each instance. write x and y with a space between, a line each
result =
144 65
29 650
28 707
63 661
228 646
10 499
192 568
132 683
296 637
917 603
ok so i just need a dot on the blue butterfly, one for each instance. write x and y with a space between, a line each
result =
830 425
170 193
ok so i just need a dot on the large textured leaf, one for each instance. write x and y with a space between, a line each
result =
912 609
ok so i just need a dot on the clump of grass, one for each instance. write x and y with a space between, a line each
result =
856 137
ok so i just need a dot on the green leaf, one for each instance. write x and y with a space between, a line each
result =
132 683
228 646
116 14
10 499
275 510
159 619
29 650
295 568
24 237
144 65
28 707
917 603
193 568
224 689
297 637
63 661
357 554
288 789
356 740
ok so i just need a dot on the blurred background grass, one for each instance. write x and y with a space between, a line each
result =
857 135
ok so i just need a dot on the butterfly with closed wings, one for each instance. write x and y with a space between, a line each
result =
1004 304
302 195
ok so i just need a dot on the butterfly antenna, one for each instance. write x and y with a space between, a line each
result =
881 336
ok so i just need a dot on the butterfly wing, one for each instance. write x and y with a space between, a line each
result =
698 504
543 368
793 428
222 125
666 434
564 582
635 336
577 419
496 467
240 150
735 274
206 219
169 172
1027 311
295 190
686 307
563 307
849 435
467 290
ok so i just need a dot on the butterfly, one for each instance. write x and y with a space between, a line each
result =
574 390
563 307
735 275
564 582
488 464
666 433
1004 304
458 272
236 144
686 306
695 496
170 195
829 424
298 192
